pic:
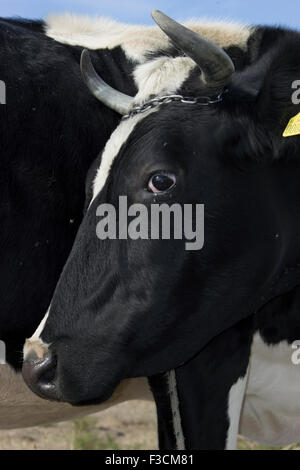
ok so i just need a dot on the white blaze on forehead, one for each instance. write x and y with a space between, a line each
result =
136 40
112 148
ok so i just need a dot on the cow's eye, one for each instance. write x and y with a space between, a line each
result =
161 182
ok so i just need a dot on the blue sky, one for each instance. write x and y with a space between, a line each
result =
248 11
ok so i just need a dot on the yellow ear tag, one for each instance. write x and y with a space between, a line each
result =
293 127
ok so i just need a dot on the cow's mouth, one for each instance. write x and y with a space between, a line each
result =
41 374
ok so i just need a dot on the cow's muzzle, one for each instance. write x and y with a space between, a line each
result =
39 374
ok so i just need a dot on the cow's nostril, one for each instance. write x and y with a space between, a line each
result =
39 375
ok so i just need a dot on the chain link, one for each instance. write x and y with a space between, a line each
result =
201 100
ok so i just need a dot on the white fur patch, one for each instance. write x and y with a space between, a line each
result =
271 411
35 343
161 75
112 148
136 40
236 397
19 407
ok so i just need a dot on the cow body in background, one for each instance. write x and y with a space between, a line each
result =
51 130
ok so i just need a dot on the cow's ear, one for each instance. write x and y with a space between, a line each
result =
278 100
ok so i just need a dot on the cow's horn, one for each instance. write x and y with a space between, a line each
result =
102 91
216 66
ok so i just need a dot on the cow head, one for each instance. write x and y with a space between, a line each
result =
130 307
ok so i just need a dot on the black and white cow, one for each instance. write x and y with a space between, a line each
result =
51 131
212 329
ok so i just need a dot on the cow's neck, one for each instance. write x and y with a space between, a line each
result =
283 191
199 403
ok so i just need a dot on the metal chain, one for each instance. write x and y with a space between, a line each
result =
201 100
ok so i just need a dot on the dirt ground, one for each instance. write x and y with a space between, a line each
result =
127 426
130 425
